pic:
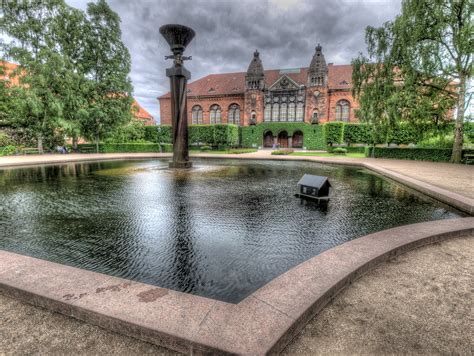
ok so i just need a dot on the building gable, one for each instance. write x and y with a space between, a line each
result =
284 83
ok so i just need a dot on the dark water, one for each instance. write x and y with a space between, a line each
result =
222 230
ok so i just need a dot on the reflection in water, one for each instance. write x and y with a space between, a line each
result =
221 230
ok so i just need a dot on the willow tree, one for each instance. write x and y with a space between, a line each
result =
418 66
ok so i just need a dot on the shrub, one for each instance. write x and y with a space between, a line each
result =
125 147
333 132
417 154
357 133
151 133
163 134
5 140
445 141
7 150
350 149
339 151
283 152
134 131
166 147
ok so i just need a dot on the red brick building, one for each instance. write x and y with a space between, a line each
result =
316 94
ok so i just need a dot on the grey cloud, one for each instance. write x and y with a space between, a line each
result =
227 33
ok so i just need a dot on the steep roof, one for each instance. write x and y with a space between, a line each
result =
313 181
339 77
8 68
140 113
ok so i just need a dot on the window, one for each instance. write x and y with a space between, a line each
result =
342 110
315 118
291 112
299 112
268 113
234 114
215 114
283 112
276 112
197 114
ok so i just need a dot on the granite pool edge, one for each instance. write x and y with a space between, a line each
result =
456 200
260 324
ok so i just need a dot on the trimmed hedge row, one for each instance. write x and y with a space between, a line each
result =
349 149
357 133
333 132
213 135
313 136
416 154
126 147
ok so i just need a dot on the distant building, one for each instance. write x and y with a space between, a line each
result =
316 94
141 114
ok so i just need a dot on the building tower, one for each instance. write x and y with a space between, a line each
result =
316 89
254 85
318 70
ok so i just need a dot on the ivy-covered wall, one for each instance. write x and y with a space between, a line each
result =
313 137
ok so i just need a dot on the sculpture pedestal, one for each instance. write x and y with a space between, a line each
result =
182 164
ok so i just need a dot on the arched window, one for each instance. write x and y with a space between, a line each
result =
299 112
315 117
197 114
215 116
276 112
291 112
268 113
343 108
283 112
234 114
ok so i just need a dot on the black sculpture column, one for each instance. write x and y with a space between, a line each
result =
178 37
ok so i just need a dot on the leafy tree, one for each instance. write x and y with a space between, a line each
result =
107 64
39 106
412 64
74 68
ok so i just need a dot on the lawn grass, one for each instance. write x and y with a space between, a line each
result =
327 154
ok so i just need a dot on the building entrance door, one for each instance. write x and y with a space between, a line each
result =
283 139
268 139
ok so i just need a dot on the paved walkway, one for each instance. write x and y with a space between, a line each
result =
418 303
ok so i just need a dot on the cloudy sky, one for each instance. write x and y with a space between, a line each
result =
228 32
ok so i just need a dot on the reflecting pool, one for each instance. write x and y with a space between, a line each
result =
220 230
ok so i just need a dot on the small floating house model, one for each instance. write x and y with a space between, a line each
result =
313 187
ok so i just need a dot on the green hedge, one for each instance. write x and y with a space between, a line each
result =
313 137
126 147
151 133
333 132
357 133
7 150
417 154
213 135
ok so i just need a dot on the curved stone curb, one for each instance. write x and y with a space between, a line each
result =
260 324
